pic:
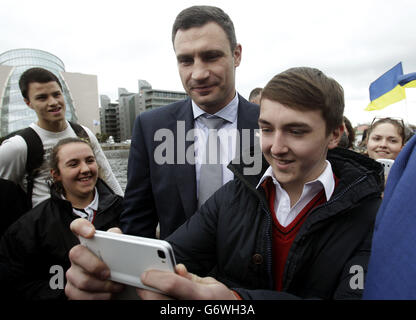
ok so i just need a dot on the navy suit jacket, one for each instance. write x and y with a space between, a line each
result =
166 193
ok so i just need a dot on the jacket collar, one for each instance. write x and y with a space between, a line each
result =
228 113
325 180
185 175
107 196
354 171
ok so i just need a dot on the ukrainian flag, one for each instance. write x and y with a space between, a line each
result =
386 89
408 80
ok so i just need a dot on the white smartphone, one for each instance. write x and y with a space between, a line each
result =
387 164
129 256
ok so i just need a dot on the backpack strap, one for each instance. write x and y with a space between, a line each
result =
11 134
35 153
79 131
34 160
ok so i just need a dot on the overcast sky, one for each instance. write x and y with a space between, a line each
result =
125 40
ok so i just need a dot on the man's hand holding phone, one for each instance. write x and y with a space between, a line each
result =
87 278
183 285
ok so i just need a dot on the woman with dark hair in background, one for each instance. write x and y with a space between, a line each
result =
348 136
34 250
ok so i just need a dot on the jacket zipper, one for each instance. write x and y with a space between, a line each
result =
302 238
269 227
344 191
269 222
269 244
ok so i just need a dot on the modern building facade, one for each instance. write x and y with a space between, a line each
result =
83 91
80 91
109 118
130 105
127 103
152 98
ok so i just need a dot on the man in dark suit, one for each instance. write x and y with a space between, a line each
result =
165 187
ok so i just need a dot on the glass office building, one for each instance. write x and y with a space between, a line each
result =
14 113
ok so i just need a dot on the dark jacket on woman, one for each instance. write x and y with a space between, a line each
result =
41 239
232 232
13 204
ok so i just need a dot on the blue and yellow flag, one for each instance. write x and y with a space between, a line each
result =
386 89
408 80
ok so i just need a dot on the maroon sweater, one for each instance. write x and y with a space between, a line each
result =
284 236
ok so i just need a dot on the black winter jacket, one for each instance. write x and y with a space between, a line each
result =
13 204
41 238
232 232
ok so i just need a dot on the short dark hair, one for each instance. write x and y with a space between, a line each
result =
351 132
305 88
35 75
254 93
198 16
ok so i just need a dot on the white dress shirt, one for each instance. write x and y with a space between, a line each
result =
286 214
227 135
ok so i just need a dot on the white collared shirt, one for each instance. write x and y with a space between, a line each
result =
89 210
227 135
286 214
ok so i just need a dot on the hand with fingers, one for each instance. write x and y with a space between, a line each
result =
182 285
87 278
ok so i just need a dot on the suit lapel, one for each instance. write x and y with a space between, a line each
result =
184 171
248 115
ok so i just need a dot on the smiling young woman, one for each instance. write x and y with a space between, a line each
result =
74 171
40 240
386 138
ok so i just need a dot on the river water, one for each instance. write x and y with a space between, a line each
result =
118 162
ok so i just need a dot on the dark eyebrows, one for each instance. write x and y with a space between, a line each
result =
290 124
76 160
297 125
182 57
72 160
44 95
264 122
41 95
204 55
212 53
378 135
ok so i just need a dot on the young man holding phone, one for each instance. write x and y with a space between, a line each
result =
294 231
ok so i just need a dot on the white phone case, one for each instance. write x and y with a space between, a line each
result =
387 164
129 256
